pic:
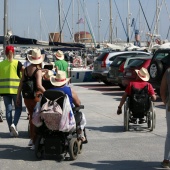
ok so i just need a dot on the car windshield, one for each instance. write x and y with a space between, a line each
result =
135 63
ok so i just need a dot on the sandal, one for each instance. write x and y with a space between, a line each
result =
81 137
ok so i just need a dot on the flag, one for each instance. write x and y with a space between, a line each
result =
80 21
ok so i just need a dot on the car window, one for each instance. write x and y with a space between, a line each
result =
161 55
101 57
118 61
135 63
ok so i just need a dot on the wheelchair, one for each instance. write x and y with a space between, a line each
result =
144 111
54 142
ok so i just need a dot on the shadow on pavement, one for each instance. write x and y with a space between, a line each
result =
119 165
116 129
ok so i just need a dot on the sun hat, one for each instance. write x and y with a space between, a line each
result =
9 48
36 57
48 74
143 74
60 55
60 78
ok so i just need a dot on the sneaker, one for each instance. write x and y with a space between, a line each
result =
1 118
33 147
13 130
165 165
11 134
30 143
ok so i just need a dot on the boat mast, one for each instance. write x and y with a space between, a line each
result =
5 24
73 20
99 22
59 12
157 20
111 28
129 17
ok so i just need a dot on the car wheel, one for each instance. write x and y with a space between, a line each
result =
107 83
156 70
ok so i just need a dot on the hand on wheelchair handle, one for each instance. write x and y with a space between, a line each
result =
119 111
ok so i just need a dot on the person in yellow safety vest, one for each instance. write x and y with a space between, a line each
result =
10 71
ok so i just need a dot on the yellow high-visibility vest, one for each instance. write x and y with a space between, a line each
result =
9 80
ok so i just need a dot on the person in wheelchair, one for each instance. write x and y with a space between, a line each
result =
140 83
59 82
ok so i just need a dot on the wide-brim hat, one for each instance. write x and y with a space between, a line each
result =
60 78
60 55
143 74
36 57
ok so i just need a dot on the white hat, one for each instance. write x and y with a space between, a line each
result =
143 74
60 55
36 57
60 78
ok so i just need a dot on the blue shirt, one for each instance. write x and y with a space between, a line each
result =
66 90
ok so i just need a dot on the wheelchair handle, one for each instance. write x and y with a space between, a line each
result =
78 108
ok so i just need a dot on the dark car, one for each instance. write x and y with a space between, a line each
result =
159 63
116 68
129 73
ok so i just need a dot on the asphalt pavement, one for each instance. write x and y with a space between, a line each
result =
108 147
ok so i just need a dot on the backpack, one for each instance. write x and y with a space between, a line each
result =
51 113
29 86
139 100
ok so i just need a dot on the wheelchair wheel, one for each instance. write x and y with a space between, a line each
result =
73 149
151 121
80 147
39 150
126 118
154 120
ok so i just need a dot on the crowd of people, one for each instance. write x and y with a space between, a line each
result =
13 73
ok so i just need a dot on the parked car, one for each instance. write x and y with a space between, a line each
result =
116 68
159 63
101 66
129 73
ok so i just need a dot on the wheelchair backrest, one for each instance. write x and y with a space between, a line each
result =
139 100
52 95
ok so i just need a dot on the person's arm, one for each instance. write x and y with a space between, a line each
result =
38 76
163 88
76 100
122 101
18 101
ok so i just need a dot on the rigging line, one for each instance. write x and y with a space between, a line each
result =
89 25
144 16
68 25
167 9
168 33
65 19
121 19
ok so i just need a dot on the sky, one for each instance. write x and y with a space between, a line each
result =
37 18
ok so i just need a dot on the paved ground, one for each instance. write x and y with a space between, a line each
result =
109 146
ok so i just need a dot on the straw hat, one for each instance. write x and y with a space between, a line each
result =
60 55
60 78
143 74
48 74
36 57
